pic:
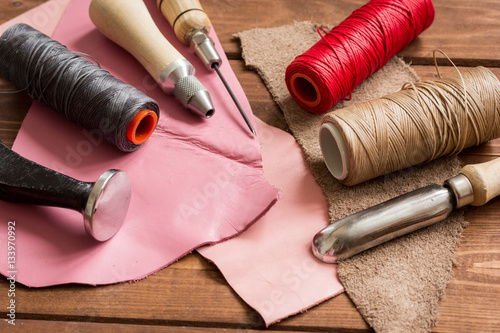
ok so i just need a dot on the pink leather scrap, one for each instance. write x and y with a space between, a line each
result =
271 265
194 182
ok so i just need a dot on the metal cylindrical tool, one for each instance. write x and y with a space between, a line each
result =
129 24
103 204
192 25
475 185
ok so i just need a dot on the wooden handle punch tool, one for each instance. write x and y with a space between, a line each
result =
475 185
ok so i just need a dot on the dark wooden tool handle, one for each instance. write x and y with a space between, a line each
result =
24 181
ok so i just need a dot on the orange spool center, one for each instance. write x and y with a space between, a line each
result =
305 89
142 126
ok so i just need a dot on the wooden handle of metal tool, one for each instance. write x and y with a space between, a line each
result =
485 180
184 16
129 24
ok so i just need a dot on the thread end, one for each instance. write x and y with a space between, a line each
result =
334 150
142 126
305 90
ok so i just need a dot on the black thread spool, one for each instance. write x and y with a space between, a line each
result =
75 87
103 204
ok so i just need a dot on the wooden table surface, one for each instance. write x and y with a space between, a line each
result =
192 295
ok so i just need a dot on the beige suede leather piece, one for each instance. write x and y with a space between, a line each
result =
395 286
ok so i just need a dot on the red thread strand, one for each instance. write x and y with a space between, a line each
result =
355 49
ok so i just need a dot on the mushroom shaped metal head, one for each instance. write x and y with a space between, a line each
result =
107 205
323 246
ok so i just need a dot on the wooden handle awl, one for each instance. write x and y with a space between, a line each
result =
485 180
184 16
129 24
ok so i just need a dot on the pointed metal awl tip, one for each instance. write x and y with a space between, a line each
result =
240 109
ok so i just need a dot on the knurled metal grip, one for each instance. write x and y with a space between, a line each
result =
178 78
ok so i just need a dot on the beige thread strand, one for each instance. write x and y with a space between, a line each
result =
421 122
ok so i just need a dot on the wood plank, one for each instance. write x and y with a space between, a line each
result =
466 30
31 325
181 294
470 303
13 109
13 8
231 17
447 70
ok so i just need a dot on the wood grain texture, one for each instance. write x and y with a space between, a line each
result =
13 109
31 325
188 293
466 30
186 15
192 295
12 8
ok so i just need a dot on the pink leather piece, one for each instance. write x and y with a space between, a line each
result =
276 285
271 265
194 181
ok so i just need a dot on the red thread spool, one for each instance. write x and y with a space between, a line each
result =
355 49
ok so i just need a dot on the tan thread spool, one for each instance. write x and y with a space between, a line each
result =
421 122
